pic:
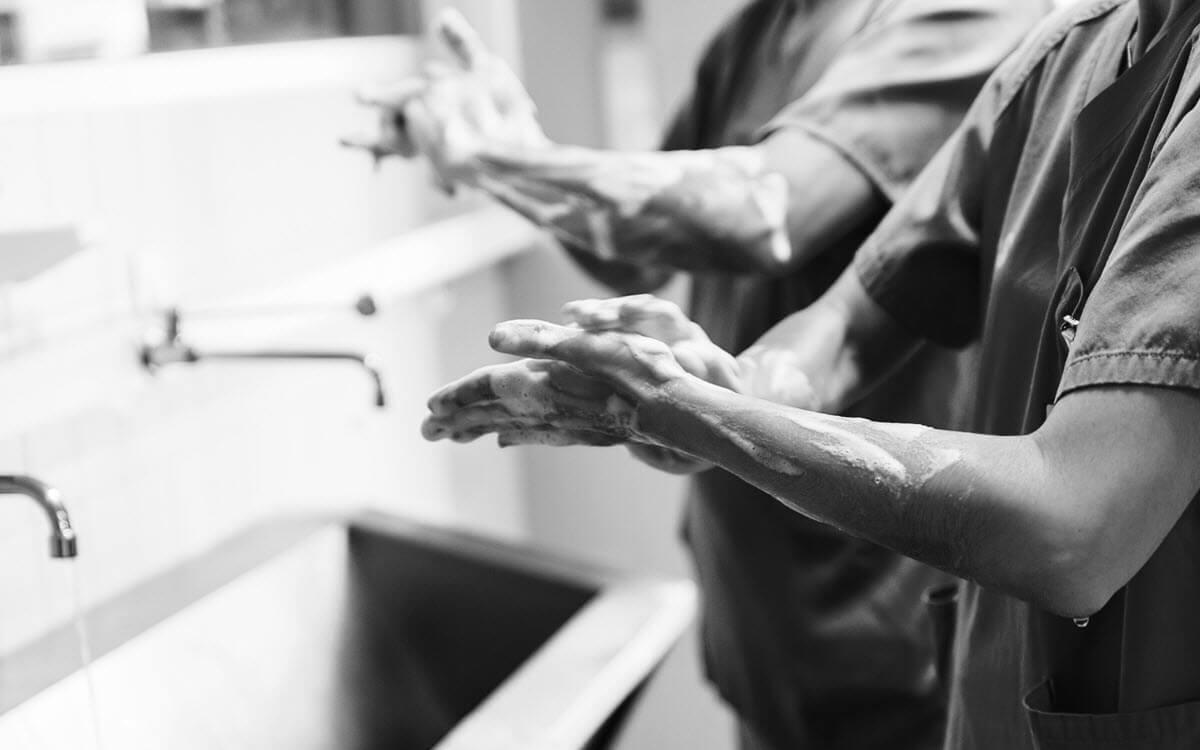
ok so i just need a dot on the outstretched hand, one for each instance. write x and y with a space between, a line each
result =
663 321
452 110
583 384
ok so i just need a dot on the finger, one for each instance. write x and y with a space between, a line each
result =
393 130
655 317
433 429
640 313
492 415
531 338
510 93
571 382
393 95
372 145
497 417
596 314
557 438
635 365
463 42
425 133
469 389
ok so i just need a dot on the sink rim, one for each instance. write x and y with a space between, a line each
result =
558 697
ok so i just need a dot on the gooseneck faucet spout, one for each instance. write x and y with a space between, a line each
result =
62 534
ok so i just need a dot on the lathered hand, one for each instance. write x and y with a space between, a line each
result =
578 388
528 401
662 320
448 112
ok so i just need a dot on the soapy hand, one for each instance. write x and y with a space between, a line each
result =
585 382
450 111
575 387
662 320
528 401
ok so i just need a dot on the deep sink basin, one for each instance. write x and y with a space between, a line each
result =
349 635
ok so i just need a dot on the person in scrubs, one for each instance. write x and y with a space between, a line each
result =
806 122
1059 228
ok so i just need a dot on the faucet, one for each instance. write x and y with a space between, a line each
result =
173 350
62 535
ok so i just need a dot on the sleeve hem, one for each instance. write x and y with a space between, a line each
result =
1167 369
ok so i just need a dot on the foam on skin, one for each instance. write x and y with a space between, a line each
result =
719 208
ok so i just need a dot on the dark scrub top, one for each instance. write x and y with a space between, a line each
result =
816 639
1072 192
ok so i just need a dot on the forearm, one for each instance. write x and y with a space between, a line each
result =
762 209
828 197
1062 517
969 504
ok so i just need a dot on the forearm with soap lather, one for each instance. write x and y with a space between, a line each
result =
631 219
1061 517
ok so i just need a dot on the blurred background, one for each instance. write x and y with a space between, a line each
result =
183 154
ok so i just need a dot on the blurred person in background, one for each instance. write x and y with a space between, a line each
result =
1060 229
808 119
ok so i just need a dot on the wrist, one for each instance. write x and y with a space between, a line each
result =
779 376
662 417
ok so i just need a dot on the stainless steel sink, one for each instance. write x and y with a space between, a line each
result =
348 635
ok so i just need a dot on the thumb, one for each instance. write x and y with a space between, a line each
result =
462 41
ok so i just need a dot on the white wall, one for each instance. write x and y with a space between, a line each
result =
678 31
229 194
224 171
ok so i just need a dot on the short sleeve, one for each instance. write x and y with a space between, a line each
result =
922 263
1141 323
901 84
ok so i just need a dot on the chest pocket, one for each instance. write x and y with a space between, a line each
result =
1168 728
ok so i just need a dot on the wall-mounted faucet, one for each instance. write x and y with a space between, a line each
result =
62 535
173 350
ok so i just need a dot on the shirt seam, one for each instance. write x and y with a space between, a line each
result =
1171 354
1088 370
1077 16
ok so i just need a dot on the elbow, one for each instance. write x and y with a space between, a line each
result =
1074 577
1072 593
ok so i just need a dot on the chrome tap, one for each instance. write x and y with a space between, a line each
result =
173 350
62 535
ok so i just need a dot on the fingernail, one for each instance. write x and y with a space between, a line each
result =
498 335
